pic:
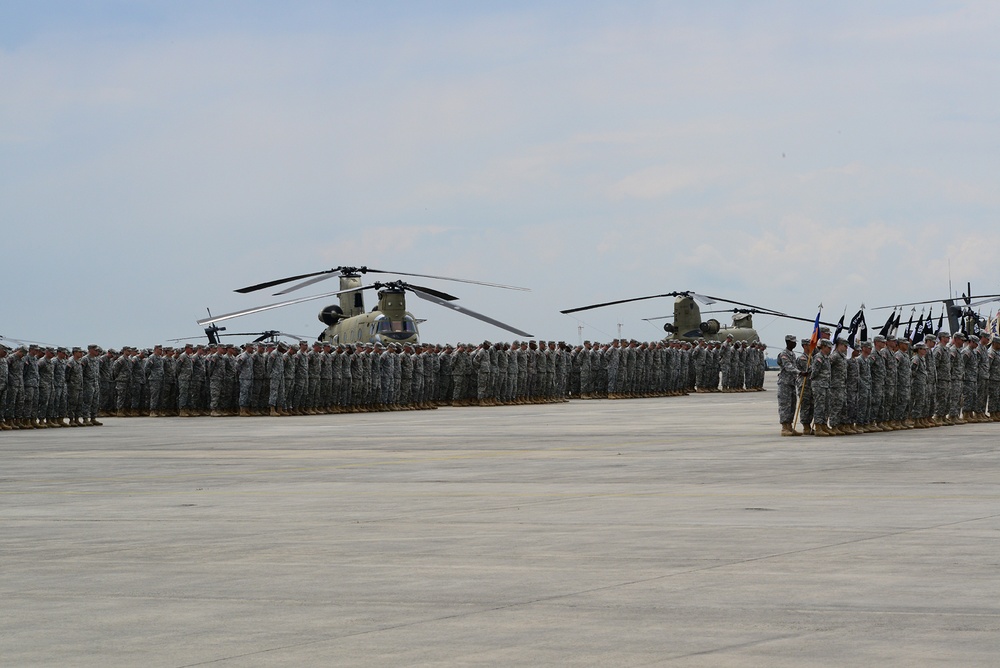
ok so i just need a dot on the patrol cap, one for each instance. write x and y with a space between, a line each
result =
790 338
959 336
825 343
943 334
77 349
840 341
929 337
806 341
920 346
824 330
879 338
866 344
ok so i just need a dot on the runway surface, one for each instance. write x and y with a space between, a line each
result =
656 532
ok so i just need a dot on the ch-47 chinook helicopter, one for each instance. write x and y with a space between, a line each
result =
348 322
688 325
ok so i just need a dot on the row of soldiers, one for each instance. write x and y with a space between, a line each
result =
888 383
41 387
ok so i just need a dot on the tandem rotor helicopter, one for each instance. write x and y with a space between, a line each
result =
348 322
688 326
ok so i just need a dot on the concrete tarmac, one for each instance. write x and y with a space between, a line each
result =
655 532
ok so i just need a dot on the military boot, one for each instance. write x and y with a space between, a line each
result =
807 430
95 423
787 430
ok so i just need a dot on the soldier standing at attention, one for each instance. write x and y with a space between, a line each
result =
982 381
58 387
276 377
121 375
788 375
942 366
865 387
878 383
918 386
889 400
91 401
931 389
154 380
904 376
819 378
46 377
244 376
806 410
852 422
838 388
957 376
185 369
74 387
30 375
970 382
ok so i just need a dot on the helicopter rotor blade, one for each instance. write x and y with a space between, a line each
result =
446 278
932 301
268 307
431 291
312 281
26 342
318 276
730 301
706 300
472 314
622 301
984 301
287 279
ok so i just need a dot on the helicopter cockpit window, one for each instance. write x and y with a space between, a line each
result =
396 328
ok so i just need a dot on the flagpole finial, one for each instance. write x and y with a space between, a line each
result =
862 306
821 306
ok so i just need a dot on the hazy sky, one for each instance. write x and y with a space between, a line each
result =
156 155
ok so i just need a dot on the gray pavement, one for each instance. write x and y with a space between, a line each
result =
656 532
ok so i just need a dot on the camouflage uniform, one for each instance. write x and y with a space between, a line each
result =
819 379
154 381
788 374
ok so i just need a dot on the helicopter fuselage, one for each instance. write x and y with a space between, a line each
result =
687 325
389 322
